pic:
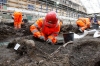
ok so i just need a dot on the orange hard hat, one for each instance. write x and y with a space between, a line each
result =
51 19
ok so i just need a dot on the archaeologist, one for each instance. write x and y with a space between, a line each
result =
95 22
17 16
47 28
83 23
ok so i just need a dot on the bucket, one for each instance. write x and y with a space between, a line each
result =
95 26
68 37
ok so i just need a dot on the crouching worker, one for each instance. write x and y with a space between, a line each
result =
17 16
83 23
47 28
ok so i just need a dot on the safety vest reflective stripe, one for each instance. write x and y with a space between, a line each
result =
36 25
35 30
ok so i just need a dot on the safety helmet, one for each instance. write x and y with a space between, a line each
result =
51 19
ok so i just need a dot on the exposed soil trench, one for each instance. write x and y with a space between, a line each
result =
82 52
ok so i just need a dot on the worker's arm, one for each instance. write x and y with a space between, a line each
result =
35 28
52 38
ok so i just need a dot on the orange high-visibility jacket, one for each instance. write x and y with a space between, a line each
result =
39 29
17 18
83 23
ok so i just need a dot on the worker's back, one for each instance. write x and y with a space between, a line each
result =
85 20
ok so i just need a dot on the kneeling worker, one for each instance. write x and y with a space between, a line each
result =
83 23
47 29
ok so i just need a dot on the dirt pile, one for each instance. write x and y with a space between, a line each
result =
7 31
26 46
28 55
69 28
84 52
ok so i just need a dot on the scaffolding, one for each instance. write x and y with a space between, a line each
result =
64 8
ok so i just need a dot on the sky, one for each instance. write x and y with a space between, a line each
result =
92 6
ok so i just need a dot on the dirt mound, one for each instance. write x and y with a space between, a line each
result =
69 28
26 46
7 31
83 52
28 55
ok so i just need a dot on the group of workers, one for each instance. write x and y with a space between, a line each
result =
48 28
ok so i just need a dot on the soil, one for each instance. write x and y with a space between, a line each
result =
33 52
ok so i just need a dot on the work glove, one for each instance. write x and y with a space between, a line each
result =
42 38
49 41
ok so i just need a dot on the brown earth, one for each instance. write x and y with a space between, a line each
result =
82 52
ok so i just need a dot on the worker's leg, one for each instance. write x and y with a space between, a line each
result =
18 25
15 25
16 21
20 20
